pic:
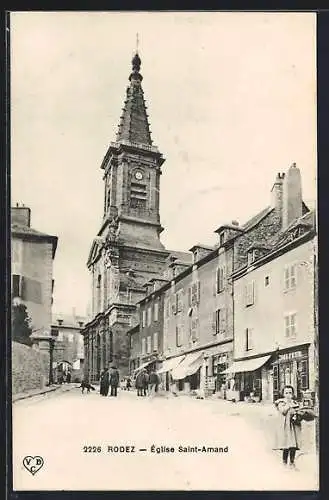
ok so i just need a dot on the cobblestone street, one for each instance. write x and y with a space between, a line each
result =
65 423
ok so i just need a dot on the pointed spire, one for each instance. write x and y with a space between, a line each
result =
134 126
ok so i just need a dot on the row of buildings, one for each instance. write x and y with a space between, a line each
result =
32 261
237 318
240 319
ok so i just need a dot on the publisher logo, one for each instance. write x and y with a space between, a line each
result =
33 464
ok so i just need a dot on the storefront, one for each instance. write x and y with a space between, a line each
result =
291 367
165 371
220 363
219 359
187 375
245 379
150 363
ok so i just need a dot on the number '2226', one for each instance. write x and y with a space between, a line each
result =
92 449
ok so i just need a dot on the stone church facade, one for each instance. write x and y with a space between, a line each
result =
127 251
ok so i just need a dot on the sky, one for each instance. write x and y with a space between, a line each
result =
231 101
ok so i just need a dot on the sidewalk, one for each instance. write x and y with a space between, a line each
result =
39 392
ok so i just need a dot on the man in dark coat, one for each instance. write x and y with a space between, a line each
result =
114 381
104 382
140 382
154 382
146 378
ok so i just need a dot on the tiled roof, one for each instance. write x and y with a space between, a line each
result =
19 229
257 218
184 257
308 220
28 232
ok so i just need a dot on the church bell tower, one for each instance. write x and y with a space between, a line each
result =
132 169
127 250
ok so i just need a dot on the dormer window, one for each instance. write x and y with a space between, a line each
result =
252 255
60 322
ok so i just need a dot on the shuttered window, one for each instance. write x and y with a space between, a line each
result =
290 325
149 316
156 311
220 321
195 293
194 329
250 294
148 345
155 341
220 279
290 277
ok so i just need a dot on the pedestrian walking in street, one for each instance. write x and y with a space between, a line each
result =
146 378
114 381
154 381
68 377
104 382
288 426
128 383
139 384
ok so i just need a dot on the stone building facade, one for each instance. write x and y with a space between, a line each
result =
32 257
127 250
68 353
275 297
199 299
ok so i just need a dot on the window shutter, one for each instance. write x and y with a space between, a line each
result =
222 322
213 325
286 278
189 296
155 341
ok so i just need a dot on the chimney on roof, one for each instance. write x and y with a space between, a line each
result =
277 192
21 215
292 207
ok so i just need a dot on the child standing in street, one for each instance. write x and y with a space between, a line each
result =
288 426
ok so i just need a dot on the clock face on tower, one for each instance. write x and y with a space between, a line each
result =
138 175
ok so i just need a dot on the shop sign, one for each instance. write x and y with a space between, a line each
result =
288 356
210 383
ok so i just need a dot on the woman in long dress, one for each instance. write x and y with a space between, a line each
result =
288 427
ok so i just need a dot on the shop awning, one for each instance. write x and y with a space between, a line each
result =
144 365
188 366
247 365
170 364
